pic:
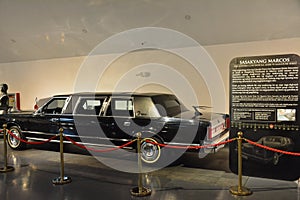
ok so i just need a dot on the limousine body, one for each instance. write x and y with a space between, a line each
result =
114 119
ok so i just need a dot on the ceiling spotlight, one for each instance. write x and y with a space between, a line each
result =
47 37
187 17
62 37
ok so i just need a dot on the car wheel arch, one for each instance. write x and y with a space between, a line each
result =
148 134
12 124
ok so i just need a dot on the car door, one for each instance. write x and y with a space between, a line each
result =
116 121
46 120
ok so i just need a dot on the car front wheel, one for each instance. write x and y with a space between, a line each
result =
14 142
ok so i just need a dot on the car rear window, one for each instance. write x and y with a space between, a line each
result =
168 105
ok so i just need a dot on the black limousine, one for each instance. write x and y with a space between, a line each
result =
114 119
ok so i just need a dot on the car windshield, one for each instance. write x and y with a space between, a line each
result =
168 105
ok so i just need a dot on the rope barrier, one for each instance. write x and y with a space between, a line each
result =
6 168
122 146
151 142
62 179
32 143
272 149
72 141
239 190
140 190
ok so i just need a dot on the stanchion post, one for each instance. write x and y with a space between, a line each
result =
5 168
62 179
240 190
140 191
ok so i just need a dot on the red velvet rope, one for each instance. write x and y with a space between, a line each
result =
148 141
27 142
272 149
99 150
122 146
72 141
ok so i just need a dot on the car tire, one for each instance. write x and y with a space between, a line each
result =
150 150
13 142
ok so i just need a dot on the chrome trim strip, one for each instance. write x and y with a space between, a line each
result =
82 143
77 136
182 144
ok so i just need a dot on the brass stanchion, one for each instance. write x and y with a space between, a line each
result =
62 179
5 168
240 190
140 191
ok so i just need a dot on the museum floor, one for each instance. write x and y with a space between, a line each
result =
208 178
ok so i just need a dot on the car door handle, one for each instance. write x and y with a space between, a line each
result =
126 123
54 120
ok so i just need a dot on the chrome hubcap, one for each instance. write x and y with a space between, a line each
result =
150 152
13 141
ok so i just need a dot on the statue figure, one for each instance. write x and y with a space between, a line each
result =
4 101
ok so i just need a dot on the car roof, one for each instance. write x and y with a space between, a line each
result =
113 93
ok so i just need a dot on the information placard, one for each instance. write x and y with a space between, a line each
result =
264 105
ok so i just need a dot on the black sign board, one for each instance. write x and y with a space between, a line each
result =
264 105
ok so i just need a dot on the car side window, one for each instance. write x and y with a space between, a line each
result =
120 107
55 106
144 107
89 106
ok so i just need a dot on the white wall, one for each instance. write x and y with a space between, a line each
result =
223 54
44 78
41 78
